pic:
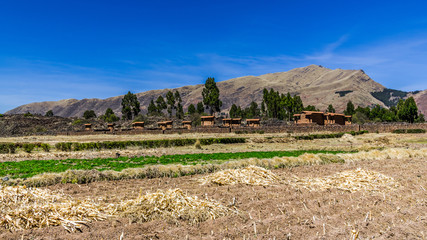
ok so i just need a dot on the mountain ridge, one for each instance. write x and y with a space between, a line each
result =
316 85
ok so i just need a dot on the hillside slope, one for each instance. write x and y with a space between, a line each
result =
315 84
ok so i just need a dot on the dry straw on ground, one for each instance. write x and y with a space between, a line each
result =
351 181
251 175
25 208
172 204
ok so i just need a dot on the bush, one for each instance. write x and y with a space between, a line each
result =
7 148
416 131
46 147
409 131
62 146
28 147
77 122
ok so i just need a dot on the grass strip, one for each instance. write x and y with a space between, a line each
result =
29 168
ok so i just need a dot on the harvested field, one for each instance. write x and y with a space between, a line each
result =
27 208
250 175
275 211
172 205
351 181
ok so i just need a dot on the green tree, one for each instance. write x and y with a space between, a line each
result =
200 108
179 108
170 99
350 109
330 109
263 108
233 111
408 111
298 105
178 97
210 95
191 109
420 118
88 114
310 108
130 106
254 111
49 113
161 104
179 111
109 116
152 108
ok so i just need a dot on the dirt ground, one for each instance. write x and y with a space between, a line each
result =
273 212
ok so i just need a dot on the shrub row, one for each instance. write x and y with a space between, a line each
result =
409 131
68 146
330 135
209 141
27 147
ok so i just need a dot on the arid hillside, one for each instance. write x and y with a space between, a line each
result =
315 84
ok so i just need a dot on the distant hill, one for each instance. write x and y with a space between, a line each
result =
317 85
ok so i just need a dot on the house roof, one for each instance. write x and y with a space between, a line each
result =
313 112
253 120
207 117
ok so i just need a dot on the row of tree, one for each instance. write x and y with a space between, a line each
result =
274 105
173 104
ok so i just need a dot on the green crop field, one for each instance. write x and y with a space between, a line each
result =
29 168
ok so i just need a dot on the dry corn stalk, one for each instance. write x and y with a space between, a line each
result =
171 204
251 175
24 208
352 181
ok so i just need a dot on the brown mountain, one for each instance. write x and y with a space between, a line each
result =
315 84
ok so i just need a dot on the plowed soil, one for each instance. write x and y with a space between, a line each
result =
273 212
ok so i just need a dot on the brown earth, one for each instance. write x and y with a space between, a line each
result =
273 212
315 84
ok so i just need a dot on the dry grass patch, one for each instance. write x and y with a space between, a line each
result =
25 208
251 175
172 204
351 181
391 153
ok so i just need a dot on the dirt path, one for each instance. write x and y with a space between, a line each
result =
279 212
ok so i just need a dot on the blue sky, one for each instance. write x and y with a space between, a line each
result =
52 50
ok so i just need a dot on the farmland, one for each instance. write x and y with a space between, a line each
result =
285 209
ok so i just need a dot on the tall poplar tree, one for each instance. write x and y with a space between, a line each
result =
210 95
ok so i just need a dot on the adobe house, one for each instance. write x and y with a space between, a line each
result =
337 118
186 124
231 122
110 127
236 122
330 118
88 127
310 117
165 125
253 122
226 122
207 121
138 125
